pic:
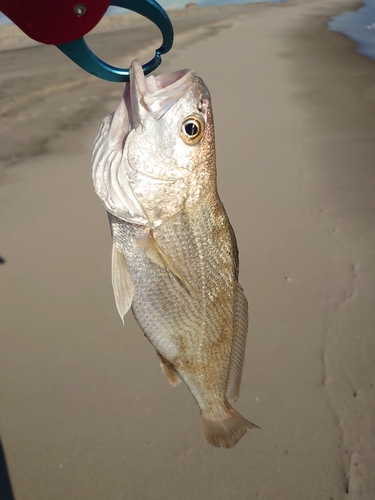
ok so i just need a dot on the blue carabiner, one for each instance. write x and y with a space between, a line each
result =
80 53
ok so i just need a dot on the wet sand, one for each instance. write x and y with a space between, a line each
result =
85 411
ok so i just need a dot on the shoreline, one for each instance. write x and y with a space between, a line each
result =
355 25
85 409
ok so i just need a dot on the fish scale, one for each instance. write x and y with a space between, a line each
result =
175 257
163 307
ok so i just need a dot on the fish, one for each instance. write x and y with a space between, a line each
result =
174 253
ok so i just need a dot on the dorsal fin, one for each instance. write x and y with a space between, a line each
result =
121 282
238 345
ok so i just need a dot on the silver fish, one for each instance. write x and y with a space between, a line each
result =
174 257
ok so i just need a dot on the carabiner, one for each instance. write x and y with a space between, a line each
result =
64 24
80 53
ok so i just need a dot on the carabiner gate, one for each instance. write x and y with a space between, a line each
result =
80 53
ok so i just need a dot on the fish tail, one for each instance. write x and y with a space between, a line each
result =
225 432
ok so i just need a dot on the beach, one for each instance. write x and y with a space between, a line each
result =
86 412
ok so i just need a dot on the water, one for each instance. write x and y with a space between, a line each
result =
4 19
358 25
180 4
210 3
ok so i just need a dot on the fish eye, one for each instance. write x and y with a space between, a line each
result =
192 129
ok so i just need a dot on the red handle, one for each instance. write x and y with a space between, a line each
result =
55 22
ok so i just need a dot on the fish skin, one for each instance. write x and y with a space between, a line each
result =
172 233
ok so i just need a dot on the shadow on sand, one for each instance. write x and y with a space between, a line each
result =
6 492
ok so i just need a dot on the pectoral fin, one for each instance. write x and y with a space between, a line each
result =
121 282
157 255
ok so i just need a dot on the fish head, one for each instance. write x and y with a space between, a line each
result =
156 152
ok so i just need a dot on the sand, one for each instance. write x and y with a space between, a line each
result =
85 411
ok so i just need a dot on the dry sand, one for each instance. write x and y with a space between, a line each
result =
85 411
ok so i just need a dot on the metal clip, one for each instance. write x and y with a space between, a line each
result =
80 53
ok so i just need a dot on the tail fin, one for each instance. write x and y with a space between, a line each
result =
225 432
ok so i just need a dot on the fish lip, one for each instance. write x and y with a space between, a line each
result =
153 96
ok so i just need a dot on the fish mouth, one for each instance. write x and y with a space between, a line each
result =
154 95
146 97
